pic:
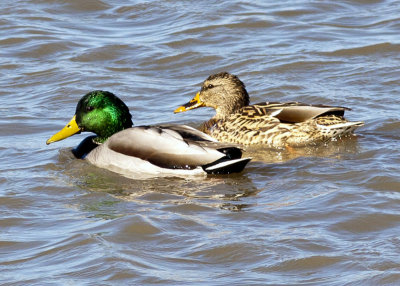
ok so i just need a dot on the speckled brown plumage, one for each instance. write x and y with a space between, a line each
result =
269 123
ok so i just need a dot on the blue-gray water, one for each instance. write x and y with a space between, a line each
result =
326 215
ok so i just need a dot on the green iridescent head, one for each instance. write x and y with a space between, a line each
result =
100 112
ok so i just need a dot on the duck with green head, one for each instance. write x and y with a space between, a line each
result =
274 124
163 149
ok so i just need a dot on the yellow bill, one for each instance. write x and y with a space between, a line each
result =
194 103
70 129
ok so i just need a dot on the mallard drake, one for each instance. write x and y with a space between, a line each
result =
163 149
290 124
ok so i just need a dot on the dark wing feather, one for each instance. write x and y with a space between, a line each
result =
187 132
194 136
295 112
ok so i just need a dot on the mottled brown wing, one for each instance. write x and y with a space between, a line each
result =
245 126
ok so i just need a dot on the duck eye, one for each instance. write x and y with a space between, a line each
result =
89 108
210 86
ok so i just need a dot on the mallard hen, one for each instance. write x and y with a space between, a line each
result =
275 124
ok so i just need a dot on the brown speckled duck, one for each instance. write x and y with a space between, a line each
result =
275 124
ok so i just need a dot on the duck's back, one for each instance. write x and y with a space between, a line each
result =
166 149
281 124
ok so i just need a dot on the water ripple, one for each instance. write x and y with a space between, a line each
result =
321 215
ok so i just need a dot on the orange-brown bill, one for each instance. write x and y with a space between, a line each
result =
194 103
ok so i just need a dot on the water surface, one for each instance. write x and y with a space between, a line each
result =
323 215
